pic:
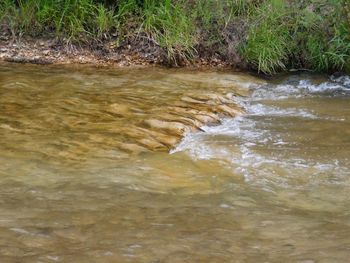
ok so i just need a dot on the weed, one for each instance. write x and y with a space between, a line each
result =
267 45
272 35
170 27
323 39
105 20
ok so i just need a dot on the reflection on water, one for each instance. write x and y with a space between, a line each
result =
271 186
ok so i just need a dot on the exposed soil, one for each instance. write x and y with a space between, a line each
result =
133 52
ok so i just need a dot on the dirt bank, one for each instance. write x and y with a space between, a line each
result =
130 53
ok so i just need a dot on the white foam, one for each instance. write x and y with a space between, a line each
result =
301 88
343 80
237 142
264 110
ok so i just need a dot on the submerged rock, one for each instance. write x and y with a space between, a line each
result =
119 109
151 144
165 139
160 126
114 118
169 123
172 127
230 110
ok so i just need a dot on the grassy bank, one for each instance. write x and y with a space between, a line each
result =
265 35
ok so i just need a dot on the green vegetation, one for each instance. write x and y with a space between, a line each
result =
268 43
311 34
267 35
170 27
75 20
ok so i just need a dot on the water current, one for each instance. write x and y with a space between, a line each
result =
268 186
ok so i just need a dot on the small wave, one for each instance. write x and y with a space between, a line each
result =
302 88
264 170
342 80
264 110
266 156
268 170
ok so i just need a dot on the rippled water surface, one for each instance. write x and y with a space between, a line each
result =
270 186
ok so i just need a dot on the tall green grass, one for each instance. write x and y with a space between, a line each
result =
304 35
268 43
324 37
74 20
268 35
105 21
168 24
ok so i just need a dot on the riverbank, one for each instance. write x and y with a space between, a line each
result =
51 51
268 36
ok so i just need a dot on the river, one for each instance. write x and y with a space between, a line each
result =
271 185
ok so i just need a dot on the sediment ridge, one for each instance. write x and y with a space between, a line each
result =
188 114
75 113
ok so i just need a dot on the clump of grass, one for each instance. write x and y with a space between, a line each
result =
267 45
323 39
128 8
69 18
326 55
225 11
105 20
310 34
74 20
219 25
8 15
170 27
165 22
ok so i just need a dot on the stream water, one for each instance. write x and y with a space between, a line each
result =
269 186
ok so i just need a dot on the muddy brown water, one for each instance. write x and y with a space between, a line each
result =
271 185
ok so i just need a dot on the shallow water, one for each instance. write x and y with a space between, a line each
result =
270 186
